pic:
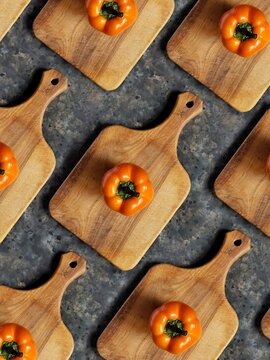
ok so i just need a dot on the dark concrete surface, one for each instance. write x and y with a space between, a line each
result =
29 254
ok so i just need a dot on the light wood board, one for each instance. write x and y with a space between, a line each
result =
79 205
266 324
9 13
197 48
244 184
63 26
21 129
38 310
128 335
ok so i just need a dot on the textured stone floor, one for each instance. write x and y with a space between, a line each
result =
30 252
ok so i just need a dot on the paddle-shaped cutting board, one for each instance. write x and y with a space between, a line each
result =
197 48
266 324
63 26
244 184
21 129
38 310
9 13
128 335
79 206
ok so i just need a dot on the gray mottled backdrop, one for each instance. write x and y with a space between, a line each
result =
31 251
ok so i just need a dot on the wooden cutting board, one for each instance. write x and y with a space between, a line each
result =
243 184
9 13
266 324
79 206
197 48
202 288
38 310
21 129
63 26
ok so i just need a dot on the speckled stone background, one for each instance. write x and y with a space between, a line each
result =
30 253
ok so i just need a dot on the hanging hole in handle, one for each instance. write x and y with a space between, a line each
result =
55 81
190 104
73 264
238 243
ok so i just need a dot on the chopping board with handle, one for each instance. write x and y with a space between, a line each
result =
21 129
79 206
266 324
128 335
9 13
38 310
63 26
244 184
197 48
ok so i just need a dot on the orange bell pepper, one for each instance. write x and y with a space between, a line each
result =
244 30
127 189
175 327
111 17
16 343
9 169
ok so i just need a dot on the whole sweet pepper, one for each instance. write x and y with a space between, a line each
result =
244 30
127 189
9 169
16 343
175 327
111 17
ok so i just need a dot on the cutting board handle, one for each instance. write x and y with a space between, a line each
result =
235 245
52 84
186 108
70 267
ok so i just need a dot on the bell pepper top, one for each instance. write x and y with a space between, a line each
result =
175 328
111 10
244 31
10 350
127 190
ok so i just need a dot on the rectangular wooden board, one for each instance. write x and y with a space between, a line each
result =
128 335
63 26
79 205
9 13
243 184
21 129
197 48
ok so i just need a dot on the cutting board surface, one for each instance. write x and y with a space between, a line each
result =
244 184
128 335
266 324
21 129
38 310
197 48
9 13
63 26
79 206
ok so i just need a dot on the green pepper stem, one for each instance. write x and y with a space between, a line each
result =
111 10
2 172
10 350
244 31
175 328
127 190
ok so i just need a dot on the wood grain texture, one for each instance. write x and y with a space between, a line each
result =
21 129
197 48
266 324
128 336
38 310
9 13
244 184
79 206
63 26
